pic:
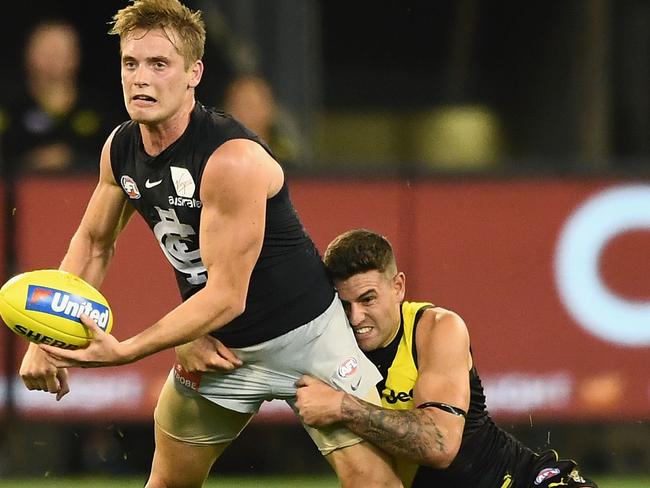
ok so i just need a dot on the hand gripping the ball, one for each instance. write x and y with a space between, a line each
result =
103 350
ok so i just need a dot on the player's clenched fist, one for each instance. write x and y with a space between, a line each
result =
40 374
317 403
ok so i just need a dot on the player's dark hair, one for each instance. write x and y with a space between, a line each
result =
358 251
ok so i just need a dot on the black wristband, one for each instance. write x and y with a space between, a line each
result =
446 408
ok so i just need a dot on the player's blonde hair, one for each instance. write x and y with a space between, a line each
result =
168 15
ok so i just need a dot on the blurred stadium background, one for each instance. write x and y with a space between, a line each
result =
503 147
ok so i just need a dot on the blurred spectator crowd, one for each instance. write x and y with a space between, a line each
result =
449 86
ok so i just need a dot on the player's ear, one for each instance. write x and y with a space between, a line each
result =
399 285
196 71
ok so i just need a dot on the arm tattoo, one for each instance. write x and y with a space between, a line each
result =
406 433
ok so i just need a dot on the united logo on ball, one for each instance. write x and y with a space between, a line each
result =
45 306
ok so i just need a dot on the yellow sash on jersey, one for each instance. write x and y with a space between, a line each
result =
402 374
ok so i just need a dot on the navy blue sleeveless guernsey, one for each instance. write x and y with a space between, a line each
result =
289 285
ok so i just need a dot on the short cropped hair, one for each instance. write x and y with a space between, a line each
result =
167 15
358 251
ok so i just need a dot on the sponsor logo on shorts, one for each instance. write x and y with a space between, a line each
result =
348 367
185 378
130 187
65 305
545 474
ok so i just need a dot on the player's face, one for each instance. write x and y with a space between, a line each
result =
372 302
155 82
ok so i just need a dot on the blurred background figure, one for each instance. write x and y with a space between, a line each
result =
250 99
51 123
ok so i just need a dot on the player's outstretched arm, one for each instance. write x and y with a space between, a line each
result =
88 256
93 244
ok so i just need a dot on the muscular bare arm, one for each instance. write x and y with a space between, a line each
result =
412 434
89 254
92 246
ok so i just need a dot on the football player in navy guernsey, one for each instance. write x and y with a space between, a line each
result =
254 287
433 417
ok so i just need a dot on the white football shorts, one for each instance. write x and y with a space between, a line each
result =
324 348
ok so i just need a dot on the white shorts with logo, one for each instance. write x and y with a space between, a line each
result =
324 348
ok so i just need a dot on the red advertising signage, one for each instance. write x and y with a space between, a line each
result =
551 276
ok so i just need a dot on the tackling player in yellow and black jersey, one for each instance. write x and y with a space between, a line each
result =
434 419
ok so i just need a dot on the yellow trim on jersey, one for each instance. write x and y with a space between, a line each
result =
402 373
507 481
400 380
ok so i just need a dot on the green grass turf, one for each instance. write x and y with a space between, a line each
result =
260 482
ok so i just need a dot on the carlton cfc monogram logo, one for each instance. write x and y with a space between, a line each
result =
178 242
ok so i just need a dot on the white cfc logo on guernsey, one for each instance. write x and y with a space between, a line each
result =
171 232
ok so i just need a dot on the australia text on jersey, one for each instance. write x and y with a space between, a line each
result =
184 202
